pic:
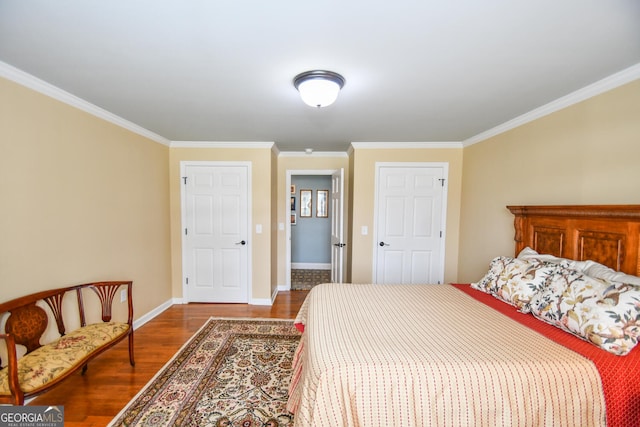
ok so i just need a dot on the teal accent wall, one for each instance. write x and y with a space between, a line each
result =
311 237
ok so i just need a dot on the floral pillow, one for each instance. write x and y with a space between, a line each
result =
516 281
605 313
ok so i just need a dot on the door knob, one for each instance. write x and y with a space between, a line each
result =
241 242
384 244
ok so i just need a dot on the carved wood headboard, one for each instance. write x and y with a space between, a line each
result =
608 234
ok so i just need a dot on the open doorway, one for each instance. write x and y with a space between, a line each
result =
314 231
310 231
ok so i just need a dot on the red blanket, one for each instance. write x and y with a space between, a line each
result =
620 374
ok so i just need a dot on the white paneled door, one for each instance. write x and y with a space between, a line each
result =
216 232
337 228
410 224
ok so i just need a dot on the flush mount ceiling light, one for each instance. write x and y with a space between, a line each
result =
318 88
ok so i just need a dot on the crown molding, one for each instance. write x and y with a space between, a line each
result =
404 145
608 83
222 144
9 72
350 150
313 154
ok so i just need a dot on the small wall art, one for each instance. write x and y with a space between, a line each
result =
305 203
322 203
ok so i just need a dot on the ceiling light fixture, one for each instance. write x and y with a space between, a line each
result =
318 88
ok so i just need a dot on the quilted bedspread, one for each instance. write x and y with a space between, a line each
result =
431 355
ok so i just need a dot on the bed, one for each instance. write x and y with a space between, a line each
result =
513 349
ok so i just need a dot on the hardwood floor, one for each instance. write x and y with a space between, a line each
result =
110 382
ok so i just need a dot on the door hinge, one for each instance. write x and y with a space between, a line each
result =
184 178
441 234
441 181
187 280
186 232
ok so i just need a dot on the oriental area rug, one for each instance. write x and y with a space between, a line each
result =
232 372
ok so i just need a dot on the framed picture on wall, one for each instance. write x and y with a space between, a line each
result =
322 209
305 203
293 203
293 189
293 218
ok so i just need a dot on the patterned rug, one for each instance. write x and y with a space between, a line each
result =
304 280
232 372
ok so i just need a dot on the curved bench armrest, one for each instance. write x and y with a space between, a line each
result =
17 396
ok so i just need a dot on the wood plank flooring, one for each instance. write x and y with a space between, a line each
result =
110 382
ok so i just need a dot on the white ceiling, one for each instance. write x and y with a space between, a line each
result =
416 70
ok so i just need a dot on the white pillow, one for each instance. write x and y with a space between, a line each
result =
599 271
590 268
528 254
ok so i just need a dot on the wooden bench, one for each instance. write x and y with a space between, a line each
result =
44 365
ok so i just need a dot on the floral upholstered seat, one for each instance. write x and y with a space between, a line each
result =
49 362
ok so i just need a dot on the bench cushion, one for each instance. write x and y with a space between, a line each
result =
45 364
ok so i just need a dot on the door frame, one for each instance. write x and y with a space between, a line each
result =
287 204
183 209
445 174
338 240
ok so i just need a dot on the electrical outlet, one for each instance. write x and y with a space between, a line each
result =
123 295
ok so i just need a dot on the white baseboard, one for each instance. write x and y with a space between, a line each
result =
265 301
260 301
310 266
284 288
151 314
175 301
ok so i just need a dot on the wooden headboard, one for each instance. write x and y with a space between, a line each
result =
608 234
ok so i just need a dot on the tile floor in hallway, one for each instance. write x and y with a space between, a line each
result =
306 279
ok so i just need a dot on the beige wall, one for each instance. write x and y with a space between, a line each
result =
363 193
82 200
302 162
588 153
85 200
261 163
